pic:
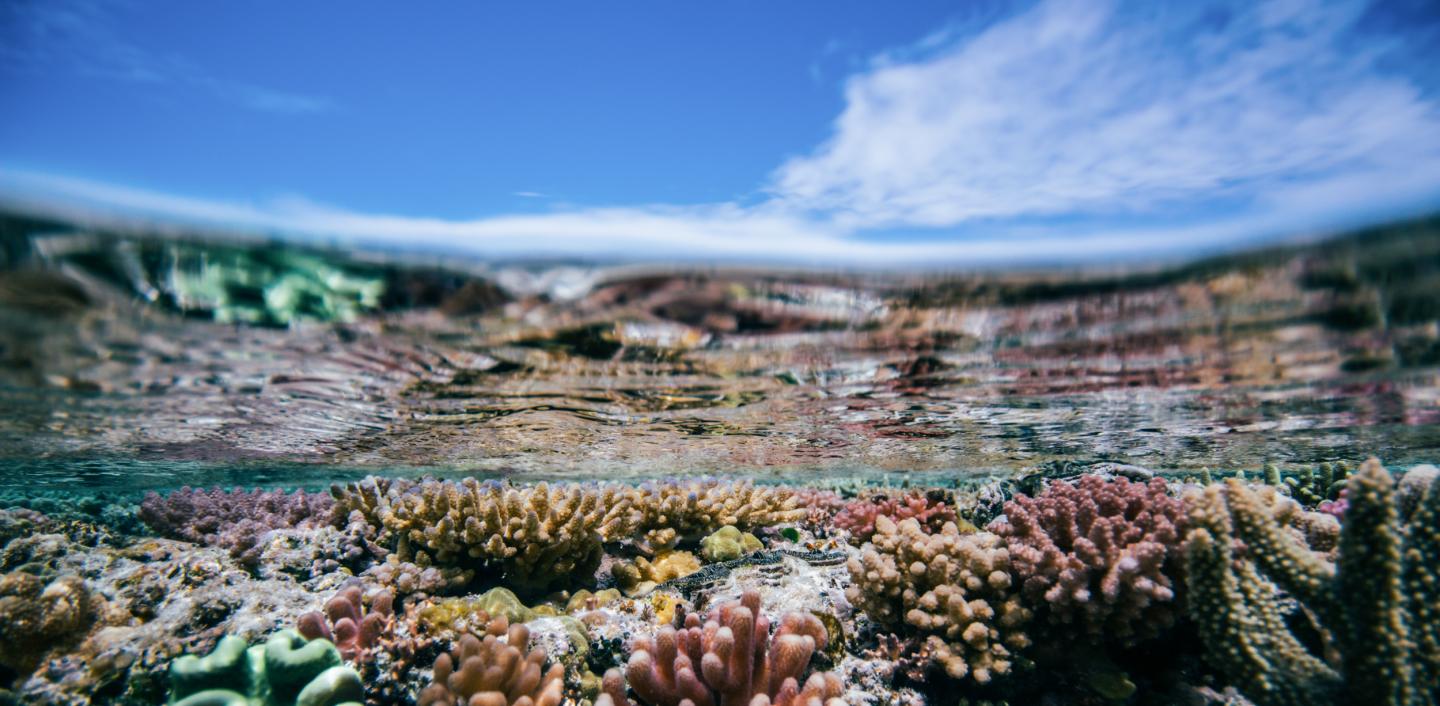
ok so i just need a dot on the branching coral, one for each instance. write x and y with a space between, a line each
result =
675 511
1099 553
36 617
534 536
932 509
346 623
1311 487
489 672
233 520
1376 605
954 589
728 660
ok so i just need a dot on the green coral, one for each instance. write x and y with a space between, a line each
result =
727 544
1376 607
285 671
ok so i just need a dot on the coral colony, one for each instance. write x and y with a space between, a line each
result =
1273 587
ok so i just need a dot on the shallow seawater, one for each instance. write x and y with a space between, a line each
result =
929 486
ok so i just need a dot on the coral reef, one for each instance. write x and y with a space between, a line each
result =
233 520
1375 604
729 659
728 544
1313 487
489 672
955 590
932 509
1099 553
534 537
348 624
675 511
286 670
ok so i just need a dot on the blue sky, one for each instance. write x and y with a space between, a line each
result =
812 132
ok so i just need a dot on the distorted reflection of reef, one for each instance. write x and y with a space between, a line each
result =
173 350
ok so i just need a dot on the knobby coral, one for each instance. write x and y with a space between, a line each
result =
346 623
932 509
955 590
1376 606
234 520
728 660
489 672
1099 553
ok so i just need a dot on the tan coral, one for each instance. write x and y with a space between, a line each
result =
642 575
955 589
675 511
535 536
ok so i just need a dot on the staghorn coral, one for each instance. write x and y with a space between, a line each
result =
234 520
346 623
642 575
533 536
37 617
672 512
1099 553
285 670
729 659
1376 606
955 590
489 672
932 509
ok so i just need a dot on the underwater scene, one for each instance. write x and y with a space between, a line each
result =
657 353
241 472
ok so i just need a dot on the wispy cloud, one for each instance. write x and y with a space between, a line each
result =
530 195
1065 132
1088 107
77 36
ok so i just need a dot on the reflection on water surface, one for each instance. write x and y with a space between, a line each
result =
183 356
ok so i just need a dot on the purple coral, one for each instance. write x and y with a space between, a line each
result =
1101 553
234 520
730 660
346 623
929 508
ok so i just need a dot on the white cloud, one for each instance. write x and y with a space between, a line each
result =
1084 107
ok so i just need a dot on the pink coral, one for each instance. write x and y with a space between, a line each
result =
819 506
489 672
235 519
730 660
1101 553
346 623
929 508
